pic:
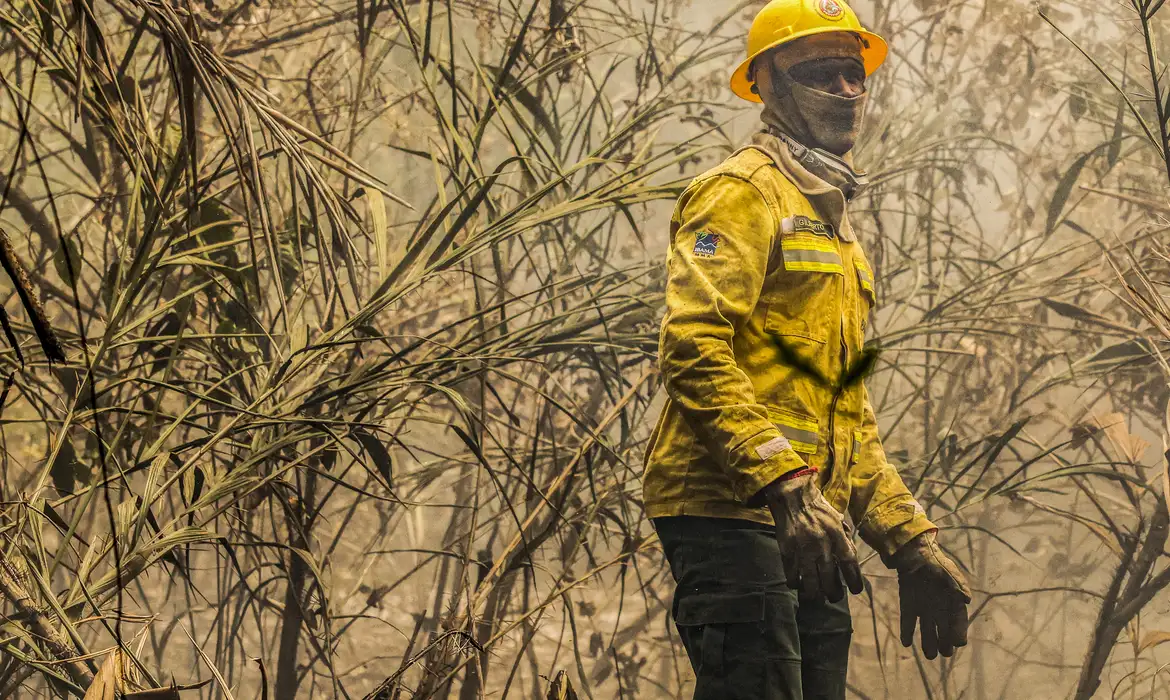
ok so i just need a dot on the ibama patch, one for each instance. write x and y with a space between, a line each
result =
706 244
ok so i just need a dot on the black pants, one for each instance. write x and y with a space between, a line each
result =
747 634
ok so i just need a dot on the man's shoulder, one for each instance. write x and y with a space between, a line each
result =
744 164
750 165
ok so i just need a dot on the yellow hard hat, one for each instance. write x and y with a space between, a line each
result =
782 21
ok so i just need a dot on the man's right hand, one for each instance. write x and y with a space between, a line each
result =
813 543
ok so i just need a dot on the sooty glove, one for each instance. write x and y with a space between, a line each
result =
933 594
814 545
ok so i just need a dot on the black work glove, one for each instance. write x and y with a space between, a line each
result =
813 543
933 594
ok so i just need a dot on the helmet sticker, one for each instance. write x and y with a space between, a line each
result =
830 9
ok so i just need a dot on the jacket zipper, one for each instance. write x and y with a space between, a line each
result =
833 411
832 451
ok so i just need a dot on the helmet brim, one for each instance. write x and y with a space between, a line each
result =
873 54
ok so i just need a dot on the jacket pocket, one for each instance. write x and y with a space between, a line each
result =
803 433
804 296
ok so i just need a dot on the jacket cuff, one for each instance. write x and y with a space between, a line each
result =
891 525
760 460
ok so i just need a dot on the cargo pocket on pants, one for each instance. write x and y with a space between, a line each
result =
738 649
715 613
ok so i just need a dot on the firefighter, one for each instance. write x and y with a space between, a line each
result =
768 437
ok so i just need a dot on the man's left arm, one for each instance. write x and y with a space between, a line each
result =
933 593
884 510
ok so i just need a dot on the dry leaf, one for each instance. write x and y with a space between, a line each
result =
112 678
1153 639
118 679
171 693
561 688
104 683
377 205
1130 446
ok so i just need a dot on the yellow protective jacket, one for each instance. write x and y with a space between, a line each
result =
767 299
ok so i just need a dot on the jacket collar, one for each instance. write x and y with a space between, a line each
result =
826 198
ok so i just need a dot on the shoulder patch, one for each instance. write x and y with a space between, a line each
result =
706 244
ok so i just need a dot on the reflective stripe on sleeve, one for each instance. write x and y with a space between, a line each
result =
801 434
